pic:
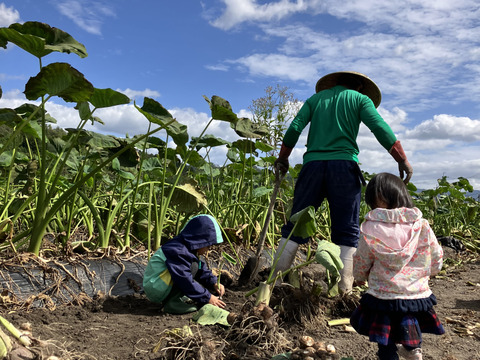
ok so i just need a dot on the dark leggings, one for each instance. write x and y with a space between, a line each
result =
387 352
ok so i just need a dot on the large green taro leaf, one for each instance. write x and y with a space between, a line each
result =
304 221
157 114
221 109
59 79
102 98
40 39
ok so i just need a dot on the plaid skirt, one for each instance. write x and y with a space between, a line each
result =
396 321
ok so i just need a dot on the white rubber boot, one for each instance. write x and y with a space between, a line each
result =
415 354
346 274
286 258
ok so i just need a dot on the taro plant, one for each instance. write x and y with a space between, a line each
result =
63 81
451 211
327 254
226 258
177 185
304 226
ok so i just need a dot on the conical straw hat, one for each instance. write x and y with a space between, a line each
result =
369 87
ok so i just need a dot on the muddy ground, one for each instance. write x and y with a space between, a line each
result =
130 327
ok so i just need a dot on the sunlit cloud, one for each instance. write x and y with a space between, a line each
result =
447 127
8 15
238 11
412 47
279 66
218 67
139 94
88 15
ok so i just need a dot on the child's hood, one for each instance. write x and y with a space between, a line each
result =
200 231
393 233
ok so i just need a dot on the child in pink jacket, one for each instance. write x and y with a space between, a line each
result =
397 253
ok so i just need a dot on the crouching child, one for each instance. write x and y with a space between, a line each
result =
176 277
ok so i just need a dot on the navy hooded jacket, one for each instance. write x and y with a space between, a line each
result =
172 263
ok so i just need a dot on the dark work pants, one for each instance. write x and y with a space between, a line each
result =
175 292
338 181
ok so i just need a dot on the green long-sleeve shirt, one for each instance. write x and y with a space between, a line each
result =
335 115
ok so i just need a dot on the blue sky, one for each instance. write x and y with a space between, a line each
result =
424 55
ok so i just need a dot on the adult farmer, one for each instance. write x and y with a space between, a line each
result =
330 169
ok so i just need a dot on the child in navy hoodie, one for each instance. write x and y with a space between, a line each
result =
175 271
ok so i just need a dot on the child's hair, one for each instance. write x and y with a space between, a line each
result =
389 189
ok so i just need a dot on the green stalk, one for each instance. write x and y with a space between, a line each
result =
41 222
272 270
159 224
5 345
270 281
139 174
239 188
96 216
149 243
25 340
179 173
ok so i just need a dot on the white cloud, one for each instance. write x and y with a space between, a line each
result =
435 165
218 67
137 94
428 165
397 118
87 14
423 53
198 121
8 15
410 67
447 127
7 77
238 11
445 146
279 66
67 117
12 97
408 16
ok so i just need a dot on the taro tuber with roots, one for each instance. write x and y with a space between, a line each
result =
314 350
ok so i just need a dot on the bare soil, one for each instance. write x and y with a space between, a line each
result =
131 327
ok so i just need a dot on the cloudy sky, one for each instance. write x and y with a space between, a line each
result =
423 54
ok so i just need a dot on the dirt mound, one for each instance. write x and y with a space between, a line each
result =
131 327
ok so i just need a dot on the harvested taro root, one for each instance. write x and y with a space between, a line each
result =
256 326
310 349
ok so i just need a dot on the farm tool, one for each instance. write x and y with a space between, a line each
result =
251 267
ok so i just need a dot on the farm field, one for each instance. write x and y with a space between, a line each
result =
72 196
129 327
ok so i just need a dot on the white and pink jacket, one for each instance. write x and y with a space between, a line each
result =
397 253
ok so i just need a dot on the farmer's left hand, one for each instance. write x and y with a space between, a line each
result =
405 170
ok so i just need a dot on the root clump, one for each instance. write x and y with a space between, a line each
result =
185 344
255 333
